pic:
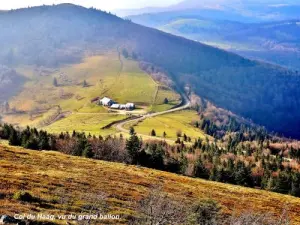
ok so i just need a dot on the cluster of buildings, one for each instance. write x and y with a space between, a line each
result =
114 105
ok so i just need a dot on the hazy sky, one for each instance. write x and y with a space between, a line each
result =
100 4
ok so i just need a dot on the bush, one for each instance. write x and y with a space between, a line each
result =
205 212
153 133
24 196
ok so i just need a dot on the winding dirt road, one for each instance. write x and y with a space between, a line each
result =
186 103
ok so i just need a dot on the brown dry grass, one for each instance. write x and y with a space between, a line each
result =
45 174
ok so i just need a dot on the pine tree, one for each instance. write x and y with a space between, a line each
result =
295 190
84 84
164 134
80 146
43 141
243 175
6 107
283 183
32 143
125 53
178 141
134 56
157 156
185 138
74 133
166 101
214 174
200 170
55 83
183 164
153 133
133 146
88 151
206 129
14 138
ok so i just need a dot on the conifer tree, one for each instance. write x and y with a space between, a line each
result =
55 83
153 133
133 146
88 151
166 101
200 170
84 84
164 134
185 138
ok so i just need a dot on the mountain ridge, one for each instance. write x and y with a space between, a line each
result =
248 9
277 40
62 34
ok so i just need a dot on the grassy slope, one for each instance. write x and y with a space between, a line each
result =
50 175
171 123
88 123
106 75
162 93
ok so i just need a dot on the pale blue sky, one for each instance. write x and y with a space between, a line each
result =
100 4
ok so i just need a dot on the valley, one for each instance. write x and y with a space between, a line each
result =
100 114
227 80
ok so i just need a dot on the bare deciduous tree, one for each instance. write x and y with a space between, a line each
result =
95 205
252 218
158 209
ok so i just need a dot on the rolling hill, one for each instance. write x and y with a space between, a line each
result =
66 34
275 42
243 11
62 184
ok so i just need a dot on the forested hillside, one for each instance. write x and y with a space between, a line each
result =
276 42
54 35
10 82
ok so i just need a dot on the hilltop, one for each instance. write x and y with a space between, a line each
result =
61 182
65 34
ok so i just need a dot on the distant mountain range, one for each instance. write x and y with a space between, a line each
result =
243 10
277 42
50 36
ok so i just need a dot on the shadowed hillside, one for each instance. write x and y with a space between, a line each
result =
10 82
276 42
55 35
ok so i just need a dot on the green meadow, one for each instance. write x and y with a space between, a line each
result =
171 124
88 123
108 75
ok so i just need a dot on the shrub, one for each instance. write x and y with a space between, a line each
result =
205 212
24 196
153 133
158 208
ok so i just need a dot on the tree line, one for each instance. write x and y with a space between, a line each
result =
235 161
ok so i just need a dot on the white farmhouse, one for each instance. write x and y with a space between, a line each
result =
122 106
115 106
106 101
130 106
